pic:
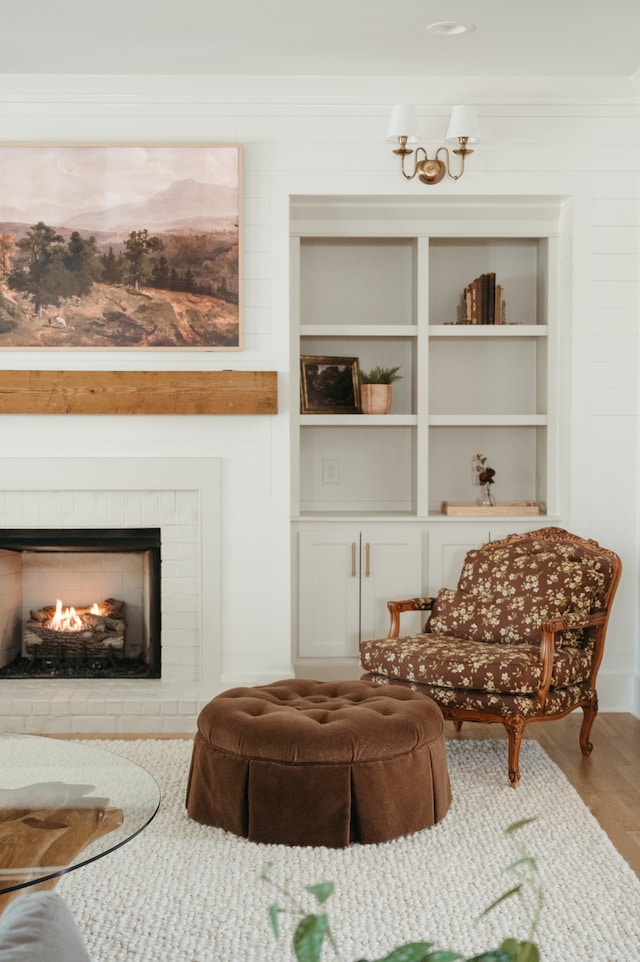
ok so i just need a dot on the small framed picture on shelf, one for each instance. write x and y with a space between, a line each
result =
329 385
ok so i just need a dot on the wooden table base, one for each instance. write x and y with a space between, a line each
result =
49 838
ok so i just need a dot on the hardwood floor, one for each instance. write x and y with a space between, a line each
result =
608 781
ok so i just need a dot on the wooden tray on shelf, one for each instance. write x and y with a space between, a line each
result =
469 509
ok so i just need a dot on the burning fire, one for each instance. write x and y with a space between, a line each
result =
69 620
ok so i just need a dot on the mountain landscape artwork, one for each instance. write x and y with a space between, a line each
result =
120 247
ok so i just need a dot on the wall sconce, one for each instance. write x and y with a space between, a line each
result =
403 128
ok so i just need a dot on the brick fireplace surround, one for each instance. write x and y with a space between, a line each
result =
180 496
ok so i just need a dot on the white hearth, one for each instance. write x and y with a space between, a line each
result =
181 496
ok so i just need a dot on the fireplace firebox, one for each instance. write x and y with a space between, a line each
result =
80 603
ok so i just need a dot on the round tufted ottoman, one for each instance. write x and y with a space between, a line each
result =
302 762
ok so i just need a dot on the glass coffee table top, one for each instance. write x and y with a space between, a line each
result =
64 804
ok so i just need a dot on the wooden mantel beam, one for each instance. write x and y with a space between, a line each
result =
138 392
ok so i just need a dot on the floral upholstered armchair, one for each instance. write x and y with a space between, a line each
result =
519 640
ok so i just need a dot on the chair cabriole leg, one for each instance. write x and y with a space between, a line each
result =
589 716
514 725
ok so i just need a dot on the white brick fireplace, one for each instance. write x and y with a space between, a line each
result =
181 497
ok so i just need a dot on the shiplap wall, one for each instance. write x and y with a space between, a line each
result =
326 136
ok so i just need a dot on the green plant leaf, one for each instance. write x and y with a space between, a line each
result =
501 898
520 951
525 860
443 955
322 890
380 375
515 826
273 918
528 952
309 936
512 948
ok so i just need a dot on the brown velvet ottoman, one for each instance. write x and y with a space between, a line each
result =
302 762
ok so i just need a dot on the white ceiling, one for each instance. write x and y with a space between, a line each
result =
579 38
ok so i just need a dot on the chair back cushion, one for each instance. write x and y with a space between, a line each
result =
505 592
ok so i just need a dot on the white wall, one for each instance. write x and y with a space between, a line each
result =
326 136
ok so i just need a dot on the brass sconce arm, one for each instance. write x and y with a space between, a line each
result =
432 171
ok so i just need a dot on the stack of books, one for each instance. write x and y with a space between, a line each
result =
483 301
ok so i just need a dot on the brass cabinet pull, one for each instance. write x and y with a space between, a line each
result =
353 559
367 554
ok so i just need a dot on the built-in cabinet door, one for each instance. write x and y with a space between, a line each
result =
449 543
448 546
347 575
329 592
391 569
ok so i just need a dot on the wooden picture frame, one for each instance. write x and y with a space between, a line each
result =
329 385
120 247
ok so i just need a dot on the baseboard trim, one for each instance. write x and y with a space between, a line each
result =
615 692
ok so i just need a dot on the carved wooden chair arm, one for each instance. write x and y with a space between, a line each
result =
549 630
573 621
410 604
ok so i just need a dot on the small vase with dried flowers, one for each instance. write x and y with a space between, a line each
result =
486 475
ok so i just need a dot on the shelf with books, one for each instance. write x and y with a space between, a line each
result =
483 301
489 331
465 272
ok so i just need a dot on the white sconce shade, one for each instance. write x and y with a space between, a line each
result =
463 123
403 123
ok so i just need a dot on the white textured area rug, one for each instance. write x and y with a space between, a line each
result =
183 892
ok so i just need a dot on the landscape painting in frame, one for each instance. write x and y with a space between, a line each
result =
120 247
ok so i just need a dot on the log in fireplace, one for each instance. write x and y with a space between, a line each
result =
80 602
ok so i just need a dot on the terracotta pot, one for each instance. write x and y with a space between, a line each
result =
375 398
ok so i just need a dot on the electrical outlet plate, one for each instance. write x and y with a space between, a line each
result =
330 471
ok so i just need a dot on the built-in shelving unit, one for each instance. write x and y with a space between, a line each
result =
382 280
393 296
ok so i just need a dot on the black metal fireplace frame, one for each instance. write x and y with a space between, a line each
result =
101 540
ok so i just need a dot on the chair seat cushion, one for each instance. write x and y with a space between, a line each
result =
499 704
449 662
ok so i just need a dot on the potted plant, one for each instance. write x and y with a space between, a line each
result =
375 389
313 928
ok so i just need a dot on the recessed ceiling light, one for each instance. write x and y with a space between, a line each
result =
450 28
